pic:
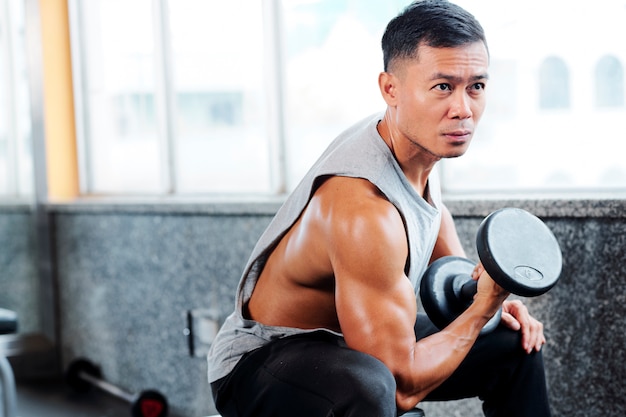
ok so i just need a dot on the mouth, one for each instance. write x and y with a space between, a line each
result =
458 136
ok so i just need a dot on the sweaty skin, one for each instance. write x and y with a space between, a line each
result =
341 265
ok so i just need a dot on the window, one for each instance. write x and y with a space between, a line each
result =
194 96
118 101
16 168
609 82
220 116
541 132
553 84
174 96
241 96
332 62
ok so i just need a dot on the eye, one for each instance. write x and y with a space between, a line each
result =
478 86
443 87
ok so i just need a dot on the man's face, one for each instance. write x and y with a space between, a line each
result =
441 97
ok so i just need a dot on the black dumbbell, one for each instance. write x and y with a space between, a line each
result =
518 251
83 374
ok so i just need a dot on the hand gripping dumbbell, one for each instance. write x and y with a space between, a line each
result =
83 374
516 249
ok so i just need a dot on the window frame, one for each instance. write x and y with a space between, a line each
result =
164 98
16 134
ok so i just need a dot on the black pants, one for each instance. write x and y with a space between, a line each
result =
316 375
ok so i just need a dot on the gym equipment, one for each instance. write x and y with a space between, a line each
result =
8 321
83 374
516 249
8 324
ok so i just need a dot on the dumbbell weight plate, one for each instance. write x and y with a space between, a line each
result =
519 251
440 302
150 403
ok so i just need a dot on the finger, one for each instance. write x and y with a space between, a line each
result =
541 339
536 339
518 310
510 321
478 269
533 337
528 337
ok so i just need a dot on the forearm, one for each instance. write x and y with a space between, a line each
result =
436 357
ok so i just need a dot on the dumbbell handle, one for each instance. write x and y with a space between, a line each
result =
464 287
110 388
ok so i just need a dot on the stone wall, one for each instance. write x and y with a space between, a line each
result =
18 267
129 273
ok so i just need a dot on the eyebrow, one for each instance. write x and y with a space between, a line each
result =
452 78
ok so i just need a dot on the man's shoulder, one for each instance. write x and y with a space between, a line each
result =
349 192
352 205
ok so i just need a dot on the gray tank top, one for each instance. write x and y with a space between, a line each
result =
358 152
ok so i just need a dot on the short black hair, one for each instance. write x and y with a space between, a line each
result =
434 23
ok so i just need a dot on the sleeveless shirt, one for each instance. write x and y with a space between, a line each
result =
359 152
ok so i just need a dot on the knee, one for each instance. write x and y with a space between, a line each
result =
374 381
513 365
504 344
510 344
371 388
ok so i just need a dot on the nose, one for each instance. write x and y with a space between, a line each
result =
460 107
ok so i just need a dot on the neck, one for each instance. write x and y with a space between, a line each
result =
416 164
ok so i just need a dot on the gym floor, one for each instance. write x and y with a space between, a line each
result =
54 399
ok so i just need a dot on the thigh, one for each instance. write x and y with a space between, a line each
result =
482 369
510 381
488 366
309 375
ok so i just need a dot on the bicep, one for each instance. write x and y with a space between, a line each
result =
378 321
375 301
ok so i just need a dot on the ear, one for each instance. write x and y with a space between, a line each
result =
388 84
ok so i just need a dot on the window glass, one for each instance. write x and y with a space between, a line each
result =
541 131
553 84
185 102
333 58
219 105
609 82
123 143
7 173
16 168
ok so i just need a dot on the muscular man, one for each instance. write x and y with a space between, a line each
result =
325 322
